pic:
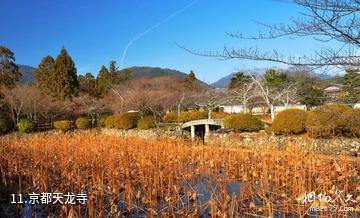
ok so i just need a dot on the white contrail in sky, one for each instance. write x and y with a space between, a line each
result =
138 36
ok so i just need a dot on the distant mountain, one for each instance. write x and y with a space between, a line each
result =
27 73
325 76
136 73
152 72
225 81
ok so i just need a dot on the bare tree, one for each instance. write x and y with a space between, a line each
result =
27 100
212 99
290 94
273 96
185 97
14 100
244 94
324 20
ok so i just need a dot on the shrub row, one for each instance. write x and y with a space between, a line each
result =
146 122
123 121
63 125
187 116
323 122
26 125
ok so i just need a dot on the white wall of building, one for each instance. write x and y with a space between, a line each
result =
230 109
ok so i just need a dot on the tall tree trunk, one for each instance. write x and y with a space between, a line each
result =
180 103
209 113
272 111
244 107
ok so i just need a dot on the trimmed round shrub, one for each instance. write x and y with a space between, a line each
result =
127 120
63 125
82 123
243 122
350 122
4 126
147 122
171 117
101 121
26 125
110 121
290 121
323 122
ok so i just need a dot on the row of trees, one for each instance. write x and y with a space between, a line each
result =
59 91
278 87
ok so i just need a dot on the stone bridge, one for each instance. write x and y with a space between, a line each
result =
205 124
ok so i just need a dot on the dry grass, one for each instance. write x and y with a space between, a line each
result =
131 176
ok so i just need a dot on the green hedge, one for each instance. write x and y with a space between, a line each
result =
127 120
171 117
198 115
323 122
192 115
82 123
26 125
147 122
243 122
110 121
184 117
218 115
63 125
102 120
290 121
349 122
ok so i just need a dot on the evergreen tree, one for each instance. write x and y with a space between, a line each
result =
238 80
275 78
103 81
43 73
114 71
88 84
310 94
9 71
352 85
63 78
190 81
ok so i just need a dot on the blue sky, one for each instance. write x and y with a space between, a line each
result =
95 32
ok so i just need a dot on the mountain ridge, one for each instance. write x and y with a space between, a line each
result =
225 81
137 72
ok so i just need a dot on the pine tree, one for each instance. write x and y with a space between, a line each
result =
238 80
114 71
190 81
43 73
63 78
103 81
275 78
311 95
9 71
352 85
88 84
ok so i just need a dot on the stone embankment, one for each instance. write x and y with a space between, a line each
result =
341 145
